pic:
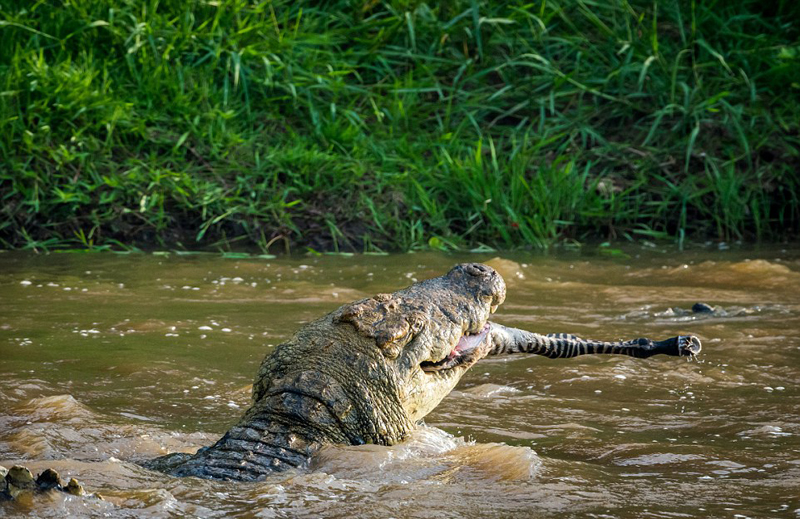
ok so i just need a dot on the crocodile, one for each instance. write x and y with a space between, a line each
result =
370 370
18 480
701 309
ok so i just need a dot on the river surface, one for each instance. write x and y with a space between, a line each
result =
106 360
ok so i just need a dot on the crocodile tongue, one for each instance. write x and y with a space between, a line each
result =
466 350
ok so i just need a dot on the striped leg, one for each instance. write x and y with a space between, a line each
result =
512 340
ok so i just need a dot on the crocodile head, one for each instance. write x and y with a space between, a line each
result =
430 333
446 334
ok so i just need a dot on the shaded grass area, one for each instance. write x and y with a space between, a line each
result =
396 125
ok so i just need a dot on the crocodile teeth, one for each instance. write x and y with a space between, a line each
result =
493 309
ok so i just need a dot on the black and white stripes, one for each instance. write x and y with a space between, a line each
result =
507 340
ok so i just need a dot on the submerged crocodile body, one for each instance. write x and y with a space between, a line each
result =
707 310
18 480
370 370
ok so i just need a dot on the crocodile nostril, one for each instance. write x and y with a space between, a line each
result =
477 269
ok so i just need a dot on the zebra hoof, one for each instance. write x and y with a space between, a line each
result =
688 345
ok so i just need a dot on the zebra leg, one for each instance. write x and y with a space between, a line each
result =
507 340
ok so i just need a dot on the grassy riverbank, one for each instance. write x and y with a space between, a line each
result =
366 125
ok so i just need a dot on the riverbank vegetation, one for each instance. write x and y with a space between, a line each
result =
396 125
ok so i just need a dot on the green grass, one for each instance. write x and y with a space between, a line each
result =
368 126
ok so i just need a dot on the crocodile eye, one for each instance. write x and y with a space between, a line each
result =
417 323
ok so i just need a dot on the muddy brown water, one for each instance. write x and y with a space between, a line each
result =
107 360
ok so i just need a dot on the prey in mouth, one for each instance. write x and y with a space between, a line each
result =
470 348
